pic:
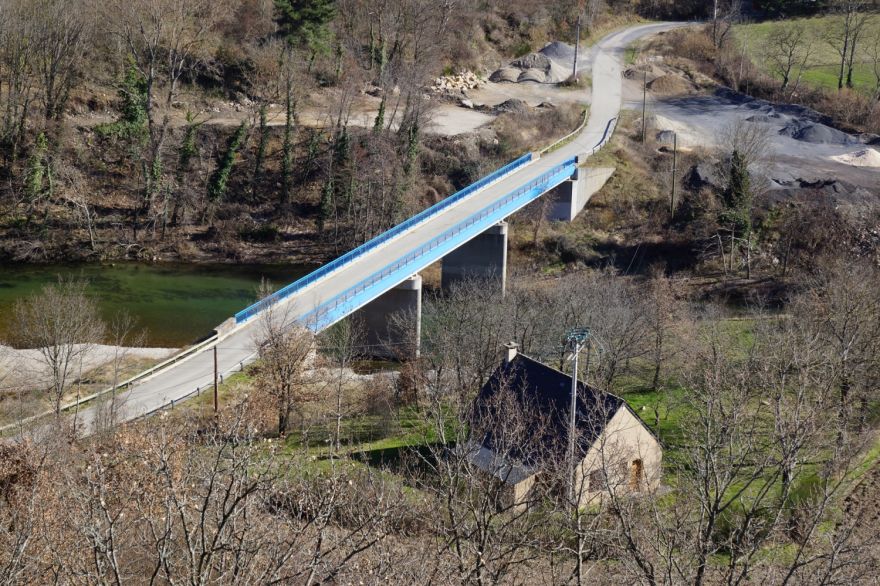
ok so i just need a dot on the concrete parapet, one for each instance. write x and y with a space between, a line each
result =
392 322
225 327
483 257
570 197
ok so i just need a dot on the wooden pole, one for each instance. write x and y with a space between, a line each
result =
674 164
572 423
216 399
577 48
645 107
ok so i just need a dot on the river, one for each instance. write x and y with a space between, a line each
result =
176 304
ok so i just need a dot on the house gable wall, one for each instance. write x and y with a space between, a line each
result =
624 440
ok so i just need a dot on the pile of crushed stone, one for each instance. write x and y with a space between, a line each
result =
669 84
861 158
514 105
552 64
815 133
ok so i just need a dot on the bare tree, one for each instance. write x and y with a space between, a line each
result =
62 324
60 47
483 523
725 13
284 347
843 34
342 345
123 335
789 49
17 93
872 52
842 303
164 40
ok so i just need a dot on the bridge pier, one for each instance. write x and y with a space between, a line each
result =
483 257
392 322
570 197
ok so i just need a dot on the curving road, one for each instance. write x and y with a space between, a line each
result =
237 348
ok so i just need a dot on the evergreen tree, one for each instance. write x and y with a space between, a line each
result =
188 148
219 182
132 122
325 211
260 156
304 22
36 169
738 196
342 166
379 123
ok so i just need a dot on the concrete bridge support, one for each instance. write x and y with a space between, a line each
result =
392 322
570 197
483 257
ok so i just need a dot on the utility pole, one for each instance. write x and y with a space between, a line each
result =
577 48
674 164
645 107
216 400
577 337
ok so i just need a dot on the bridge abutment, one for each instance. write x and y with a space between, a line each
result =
570 197
482 258
393 321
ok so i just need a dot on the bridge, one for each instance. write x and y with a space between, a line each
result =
467 231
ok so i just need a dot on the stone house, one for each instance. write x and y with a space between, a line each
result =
614 449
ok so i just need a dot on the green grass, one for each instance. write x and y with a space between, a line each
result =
824 64
632 53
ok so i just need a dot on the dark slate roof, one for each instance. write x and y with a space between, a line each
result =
545 393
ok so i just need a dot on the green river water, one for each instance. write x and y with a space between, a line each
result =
176 304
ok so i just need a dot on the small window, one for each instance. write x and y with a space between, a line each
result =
636 474
598 481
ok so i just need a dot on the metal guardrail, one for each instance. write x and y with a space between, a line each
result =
348 257
564 140
321 316
187 353
606 136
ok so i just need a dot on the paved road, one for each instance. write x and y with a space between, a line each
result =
238 347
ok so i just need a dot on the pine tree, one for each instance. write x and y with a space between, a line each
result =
738 196
304 22
219 182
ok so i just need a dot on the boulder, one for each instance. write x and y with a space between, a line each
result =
703 175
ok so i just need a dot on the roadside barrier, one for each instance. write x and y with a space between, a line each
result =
399 229
327 312
179 357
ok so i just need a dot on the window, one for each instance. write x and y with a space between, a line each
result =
597 480
636 473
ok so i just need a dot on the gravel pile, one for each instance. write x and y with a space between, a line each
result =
514 105
552 64
814 133
861 158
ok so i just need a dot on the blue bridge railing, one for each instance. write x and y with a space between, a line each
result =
349 300
346 258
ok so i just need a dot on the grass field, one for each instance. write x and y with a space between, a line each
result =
824 63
